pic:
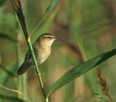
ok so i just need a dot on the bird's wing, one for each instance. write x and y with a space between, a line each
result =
28 56
26 64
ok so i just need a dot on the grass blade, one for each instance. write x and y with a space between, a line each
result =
81 69
48 11
5 36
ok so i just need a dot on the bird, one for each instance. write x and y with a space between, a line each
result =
42 49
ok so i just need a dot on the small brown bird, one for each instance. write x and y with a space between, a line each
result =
42 48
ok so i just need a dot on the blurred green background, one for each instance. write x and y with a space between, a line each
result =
86 28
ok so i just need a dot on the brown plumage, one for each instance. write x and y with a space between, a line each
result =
42 49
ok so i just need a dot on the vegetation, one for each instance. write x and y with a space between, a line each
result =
86 39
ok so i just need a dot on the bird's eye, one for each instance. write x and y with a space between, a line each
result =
49 37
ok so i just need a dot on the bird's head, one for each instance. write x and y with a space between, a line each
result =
46 39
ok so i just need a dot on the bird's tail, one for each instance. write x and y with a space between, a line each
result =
23 68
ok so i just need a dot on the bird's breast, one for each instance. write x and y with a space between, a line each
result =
43 54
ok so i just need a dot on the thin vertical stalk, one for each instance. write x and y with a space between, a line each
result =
36 67
18 9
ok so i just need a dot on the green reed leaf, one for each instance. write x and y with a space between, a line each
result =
81 69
